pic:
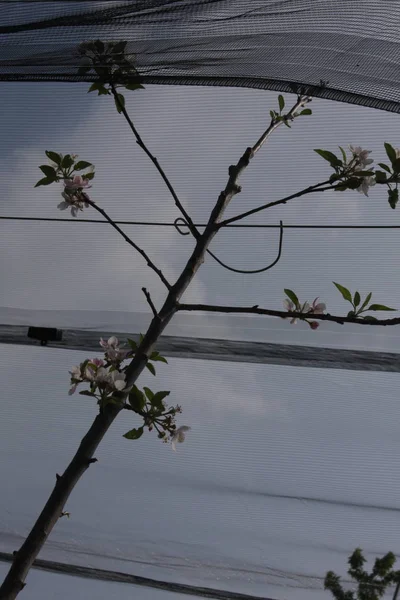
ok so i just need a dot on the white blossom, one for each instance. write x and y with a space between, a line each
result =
361 157
366 183
179 436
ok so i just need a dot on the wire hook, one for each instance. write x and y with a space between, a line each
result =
243 271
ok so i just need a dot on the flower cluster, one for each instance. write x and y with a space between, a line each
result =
113 351
292 304
107 378
74 196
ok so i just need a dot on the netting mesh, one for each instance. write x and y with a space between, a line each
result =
340 49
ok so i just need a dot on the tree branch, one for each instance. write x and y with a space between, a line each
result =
255 310
150 301
301 102
196 234
309 190
130 242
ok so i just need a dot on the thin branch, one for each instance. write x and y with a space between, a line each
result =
150 301
255 310
301 102
196 234
309 190
130 242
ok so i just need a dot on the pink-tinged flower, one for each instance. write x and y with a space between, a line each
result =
314 324
112 342
112 350
76 379
76 183
290 307
76 201
317 308
179 436
366 183
92 367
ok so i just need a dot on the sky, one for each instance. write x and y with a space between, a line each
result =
286 470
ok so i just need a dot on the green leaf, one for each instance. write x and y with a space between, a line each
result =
367 299
82 164
380 177
357 299
158 358
292 296
353 183
89 175
330 157
133 434
54 156
119 47
281 101
380 307
351 314
98 44
158 398
287 124
306 111
396 165
49 171
393 197
363 173
343 154
391 153
384 167
67 161
84 69
132 344
344 291
136 399
87 393
44 181
369 318
121 102
272 114
149 393
98 86
134 86
103 73
151 368
141 337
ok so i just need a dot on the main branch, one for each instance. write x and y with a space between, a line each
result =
24 558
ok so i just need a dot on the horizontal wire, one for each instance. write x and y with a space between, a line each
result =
162 224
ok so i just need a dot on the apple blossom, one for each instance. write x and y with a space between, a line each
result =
112 350
366 183
306 309
75 201
361 156
179 436
77 182
317 308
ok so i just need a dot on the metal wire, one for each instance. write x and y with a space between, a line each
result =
164 224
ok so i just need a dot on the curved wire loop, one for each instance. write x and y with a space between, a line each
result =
244 271
184 223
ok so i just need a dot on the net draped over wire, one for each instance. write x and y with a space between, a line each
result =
344 50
